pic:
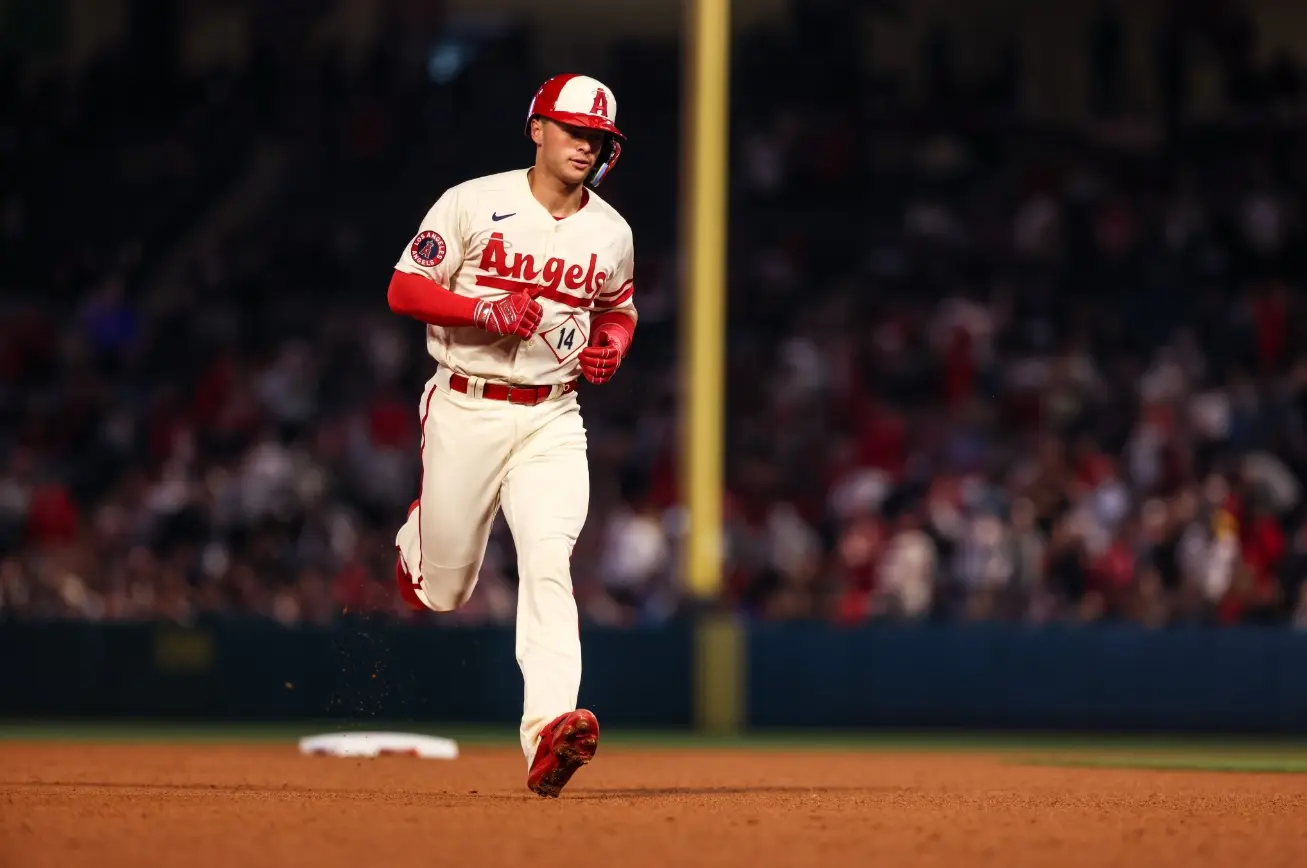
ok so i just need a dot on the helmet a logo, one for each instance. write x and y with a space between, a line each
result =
600 106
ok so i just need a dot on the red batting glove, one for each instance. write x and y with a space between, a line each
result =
518 314
600 360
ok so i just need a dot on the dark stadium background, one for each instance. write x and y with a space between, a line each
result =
1015 357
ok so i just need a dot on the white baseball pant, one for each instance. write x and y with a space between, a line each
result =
479 455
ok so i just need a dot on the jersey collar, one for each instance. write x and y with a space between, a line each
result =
585 199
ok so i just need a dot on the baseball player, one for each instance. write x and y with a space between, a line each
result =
524 280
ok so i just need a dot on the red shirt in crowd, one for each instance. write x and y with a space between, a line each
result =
52 516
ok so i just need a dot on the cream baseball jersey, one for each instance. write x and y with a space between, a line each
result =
488 237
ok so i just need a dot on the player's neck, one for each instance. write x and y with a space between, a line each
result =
558 198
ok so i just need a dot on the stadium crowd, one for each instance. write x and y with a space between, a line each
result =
978 367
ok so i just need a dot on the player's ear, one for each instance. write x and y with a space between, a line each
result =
537 131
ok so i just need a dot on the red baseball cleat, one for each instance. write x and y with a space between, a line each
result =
566 744
405 581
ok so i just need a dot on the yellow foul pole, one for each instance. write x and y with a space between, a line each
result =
719 647
704 305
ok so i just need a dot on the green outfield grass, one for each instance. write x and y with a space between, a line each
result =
1295 764
1128 751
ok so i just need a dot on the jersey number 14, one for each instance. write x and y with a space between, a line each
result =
566 337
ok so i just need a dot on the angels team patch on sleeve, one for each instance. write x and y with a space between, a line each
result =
428 249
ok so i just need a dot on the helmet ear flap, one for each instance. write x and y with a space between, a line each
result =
608 155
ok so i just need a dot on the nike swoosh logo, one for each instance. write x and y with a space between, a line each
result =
498 217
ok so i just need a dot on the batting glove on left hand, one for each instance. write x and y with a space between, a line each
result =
600 360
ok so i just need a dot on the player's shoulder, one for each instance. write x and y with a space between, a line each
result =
476 188
499 181
604 211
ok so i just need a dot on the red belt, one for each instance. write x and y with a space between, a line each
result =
511 394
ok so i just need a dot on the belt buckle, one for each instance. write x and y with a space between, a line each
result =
530 395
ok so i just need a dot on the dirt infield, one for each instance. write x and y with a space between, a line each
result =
71 805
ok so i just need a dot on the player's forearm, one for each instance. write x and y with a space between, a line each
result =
425 300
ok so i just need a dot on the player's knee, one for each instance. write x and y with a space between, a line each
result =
447 588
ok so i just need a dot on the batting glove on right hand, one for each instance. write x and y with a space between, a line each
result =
518 314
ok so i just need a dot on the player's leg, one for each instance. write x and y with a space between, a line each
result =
546 496
465 444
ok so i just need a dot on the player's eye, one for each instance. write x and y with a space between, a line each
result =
584 133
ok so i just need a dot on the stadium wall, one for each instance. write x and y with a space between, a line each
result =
984 676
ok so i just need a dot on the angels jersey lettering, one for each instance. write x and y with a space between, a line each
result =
489 237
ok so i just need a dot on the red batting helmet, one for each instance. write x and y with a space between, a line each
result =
581 101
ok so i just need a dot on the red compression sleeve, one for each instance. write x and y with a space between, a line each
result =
429 302
614 319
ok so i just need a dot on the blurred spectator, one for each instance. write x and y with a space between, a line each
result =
906 577
637 560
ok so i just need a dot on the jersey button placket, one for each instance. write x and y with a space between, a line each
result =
530 342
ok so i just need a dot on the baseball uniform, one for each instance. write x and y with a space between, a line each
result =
484 239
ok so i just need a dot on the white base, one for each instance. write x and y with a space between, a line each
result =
375 744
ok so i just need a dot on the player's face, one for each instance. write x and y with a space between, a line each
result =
569 152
